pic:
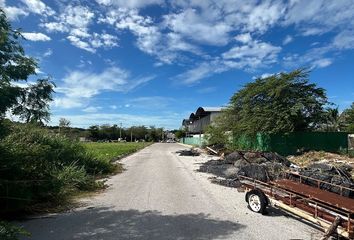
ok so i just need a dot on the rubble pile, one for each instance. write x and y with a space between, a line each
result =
338 175
267 166
263 166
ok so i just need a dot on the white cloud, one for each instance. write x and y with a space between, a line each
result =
253 54
152 103
129 3
76 41
314 17
344 40
48 53
202 71
12 12
287 39
244 38
79 86
67 103
76 21
195 27
321 63
91 109
36 36
38 7
55 27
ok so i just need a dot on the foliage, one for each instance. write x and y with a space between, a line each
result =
348 119
218 133
334 122
64 123
51 166
30 103
11 232
284 102
180 133
113 132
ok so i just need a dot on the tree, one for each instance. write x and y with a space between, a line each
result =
180 133
63 124
30 103
94 132
284 102
348 119
333 120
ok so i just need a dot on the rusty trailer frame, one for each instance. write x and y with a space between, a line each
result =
307 202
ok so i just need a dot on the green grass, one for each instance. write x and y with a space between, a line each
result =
113 151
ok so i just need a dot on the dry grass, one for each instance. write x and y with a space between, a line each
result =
305 159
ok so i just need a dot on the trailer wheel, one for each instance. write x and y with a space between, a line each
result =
256 200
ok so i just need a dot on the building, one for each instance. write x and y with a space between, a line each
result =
198 121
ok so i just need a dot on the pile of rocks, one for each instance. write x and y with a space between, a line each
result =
267 166
263 166
338 175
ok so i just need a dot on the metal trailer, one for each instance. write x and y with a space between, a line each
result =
311 203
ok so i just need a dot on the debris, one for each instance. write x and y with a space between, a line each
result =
212 150
267 166
235 183
332 228
190 152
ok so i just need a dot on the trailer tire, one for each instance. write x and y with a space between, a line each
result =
257 201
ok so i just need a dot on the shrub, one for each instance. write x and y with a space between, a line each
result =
41 166
11 232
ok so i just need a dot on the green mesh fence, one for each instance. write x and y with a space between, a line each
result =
291 143
196 141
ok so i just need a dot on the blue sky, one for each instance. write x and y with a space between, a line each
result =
152 62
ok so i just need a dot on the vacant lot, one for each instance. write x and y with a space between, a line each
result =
112 151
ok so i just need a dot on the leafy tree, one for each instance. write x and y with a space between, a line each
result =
284 102
333 121
64 123
30 103
180 133
348 119
94 132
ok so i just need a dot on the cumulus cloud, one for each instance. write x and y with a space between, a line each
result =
79 86
36 36
76 22
38 7
13 12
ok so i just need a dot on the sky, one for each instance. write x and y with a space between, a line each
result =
153 62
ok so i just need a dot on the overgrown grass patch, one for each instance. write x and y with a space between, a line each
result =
112 151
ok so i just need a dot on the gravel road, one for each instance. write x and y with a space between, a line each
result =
161 196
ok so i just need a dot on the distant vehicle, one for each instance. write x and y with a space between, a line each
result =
170 141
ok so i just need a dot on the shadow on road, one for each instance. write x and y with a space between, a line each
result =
105 223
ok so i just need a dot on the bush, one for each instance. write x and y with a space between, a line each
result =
11 232
41 166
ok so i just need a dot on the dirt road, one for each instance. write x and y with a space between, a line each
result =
161 196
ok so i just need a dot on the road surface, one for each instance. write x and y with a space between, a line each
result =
161 196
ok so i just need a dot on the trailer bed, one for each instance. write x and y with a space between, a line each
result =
317 194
